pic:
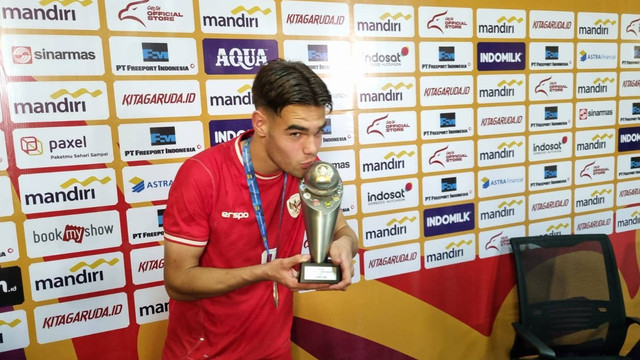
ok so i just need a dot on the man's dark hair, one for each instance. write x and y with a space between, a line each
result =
280 83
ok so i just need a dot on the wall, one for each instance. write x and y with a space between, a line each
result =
457 125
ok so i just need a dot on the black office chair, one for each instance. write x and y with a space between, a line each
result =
570 299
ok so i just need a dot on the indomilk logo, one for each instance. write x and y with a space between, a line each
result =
449 219
235 21
446 53
163 135
156 52
385 24
551 53
73 194
317 52
60 103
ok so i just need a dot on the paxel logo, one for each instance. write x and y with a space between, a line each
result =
163 135
31 145
551 53
155 52
446 53
11 292
447 119
449 184
317 52
551 113
449 219
551 172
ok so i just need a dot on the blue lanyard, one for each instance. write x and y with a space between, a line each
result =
252 182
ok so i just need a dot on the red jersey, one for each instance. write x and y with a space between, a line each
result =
209 206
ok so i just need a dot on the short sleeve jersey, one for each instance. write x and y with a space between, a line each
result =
209 206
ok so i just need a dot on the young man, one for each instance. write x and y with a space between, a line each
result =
232 248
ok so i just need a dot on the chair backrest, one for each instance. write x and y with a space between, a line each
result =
569 294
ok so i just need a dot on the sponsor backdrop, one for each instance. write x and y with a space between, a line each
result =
457 126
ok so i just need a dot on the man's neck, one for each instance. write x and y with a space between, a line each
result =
261 161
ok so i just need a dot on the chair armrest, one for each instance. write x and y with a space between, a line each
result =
632 320
543 350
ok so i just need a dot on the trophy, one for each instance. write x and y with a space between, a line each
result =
321 194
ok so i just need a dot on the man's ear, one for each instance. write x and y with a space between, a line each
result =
260 123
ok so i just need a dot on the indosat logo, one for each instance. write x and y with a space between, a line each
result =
388 60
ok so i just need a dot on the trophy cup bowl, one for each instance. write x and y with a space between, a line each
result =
320 194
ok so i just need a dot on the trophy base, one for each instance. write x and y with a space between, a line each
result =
323 273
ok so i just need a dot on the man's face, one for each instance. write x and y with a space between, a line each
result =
294 137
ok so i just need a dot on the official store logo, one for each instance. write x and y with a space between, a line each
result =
550 146
595 142
389 195
152 304
501 88
237 56
159 56
501 23
549 204
449 251
597 25
501 151
389 92
239 17
446 56
67 15
447 156
557 86
446 22
312 18
551 24
14 330
501 181
501 211
67 190
446 123
594 223
74 276
71 319
448 188
391 228
501 56
593 198
72 233
150 15
387 127
498 242
11 286
630 27
383 20
446 90
550 175
594 170
449 219
392 261
385 56
628 193
153 13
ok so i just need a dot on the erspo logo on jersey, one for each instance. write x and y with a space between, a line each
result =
388 161
237 56
550 146
501 23
501 151
148 182
598 55
556 86
225 130
501 120
60 146
629 55
78 318
157 98
594 223
153 141
67 190
385 56
9 250
152 304
596 113
74 276
386 92
321 56
144 224
153 56
229 96
338 131
594 170
14 329
448 188
501 88
597 26
593 198
313 18
389 195
256 17
343 160
6 197
449 251
551 24
445 22
449 219
147 264
595 142
49 101
552 227
554 56
501 181
501 56
446 123
497 242
549 204
591 85
69 234
383 20
550 116
391 228
390 261
387 127
150 15
446 56
630 27
629 83
447 156
501 211
549 175
628 193
628 219
51 55
51 15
